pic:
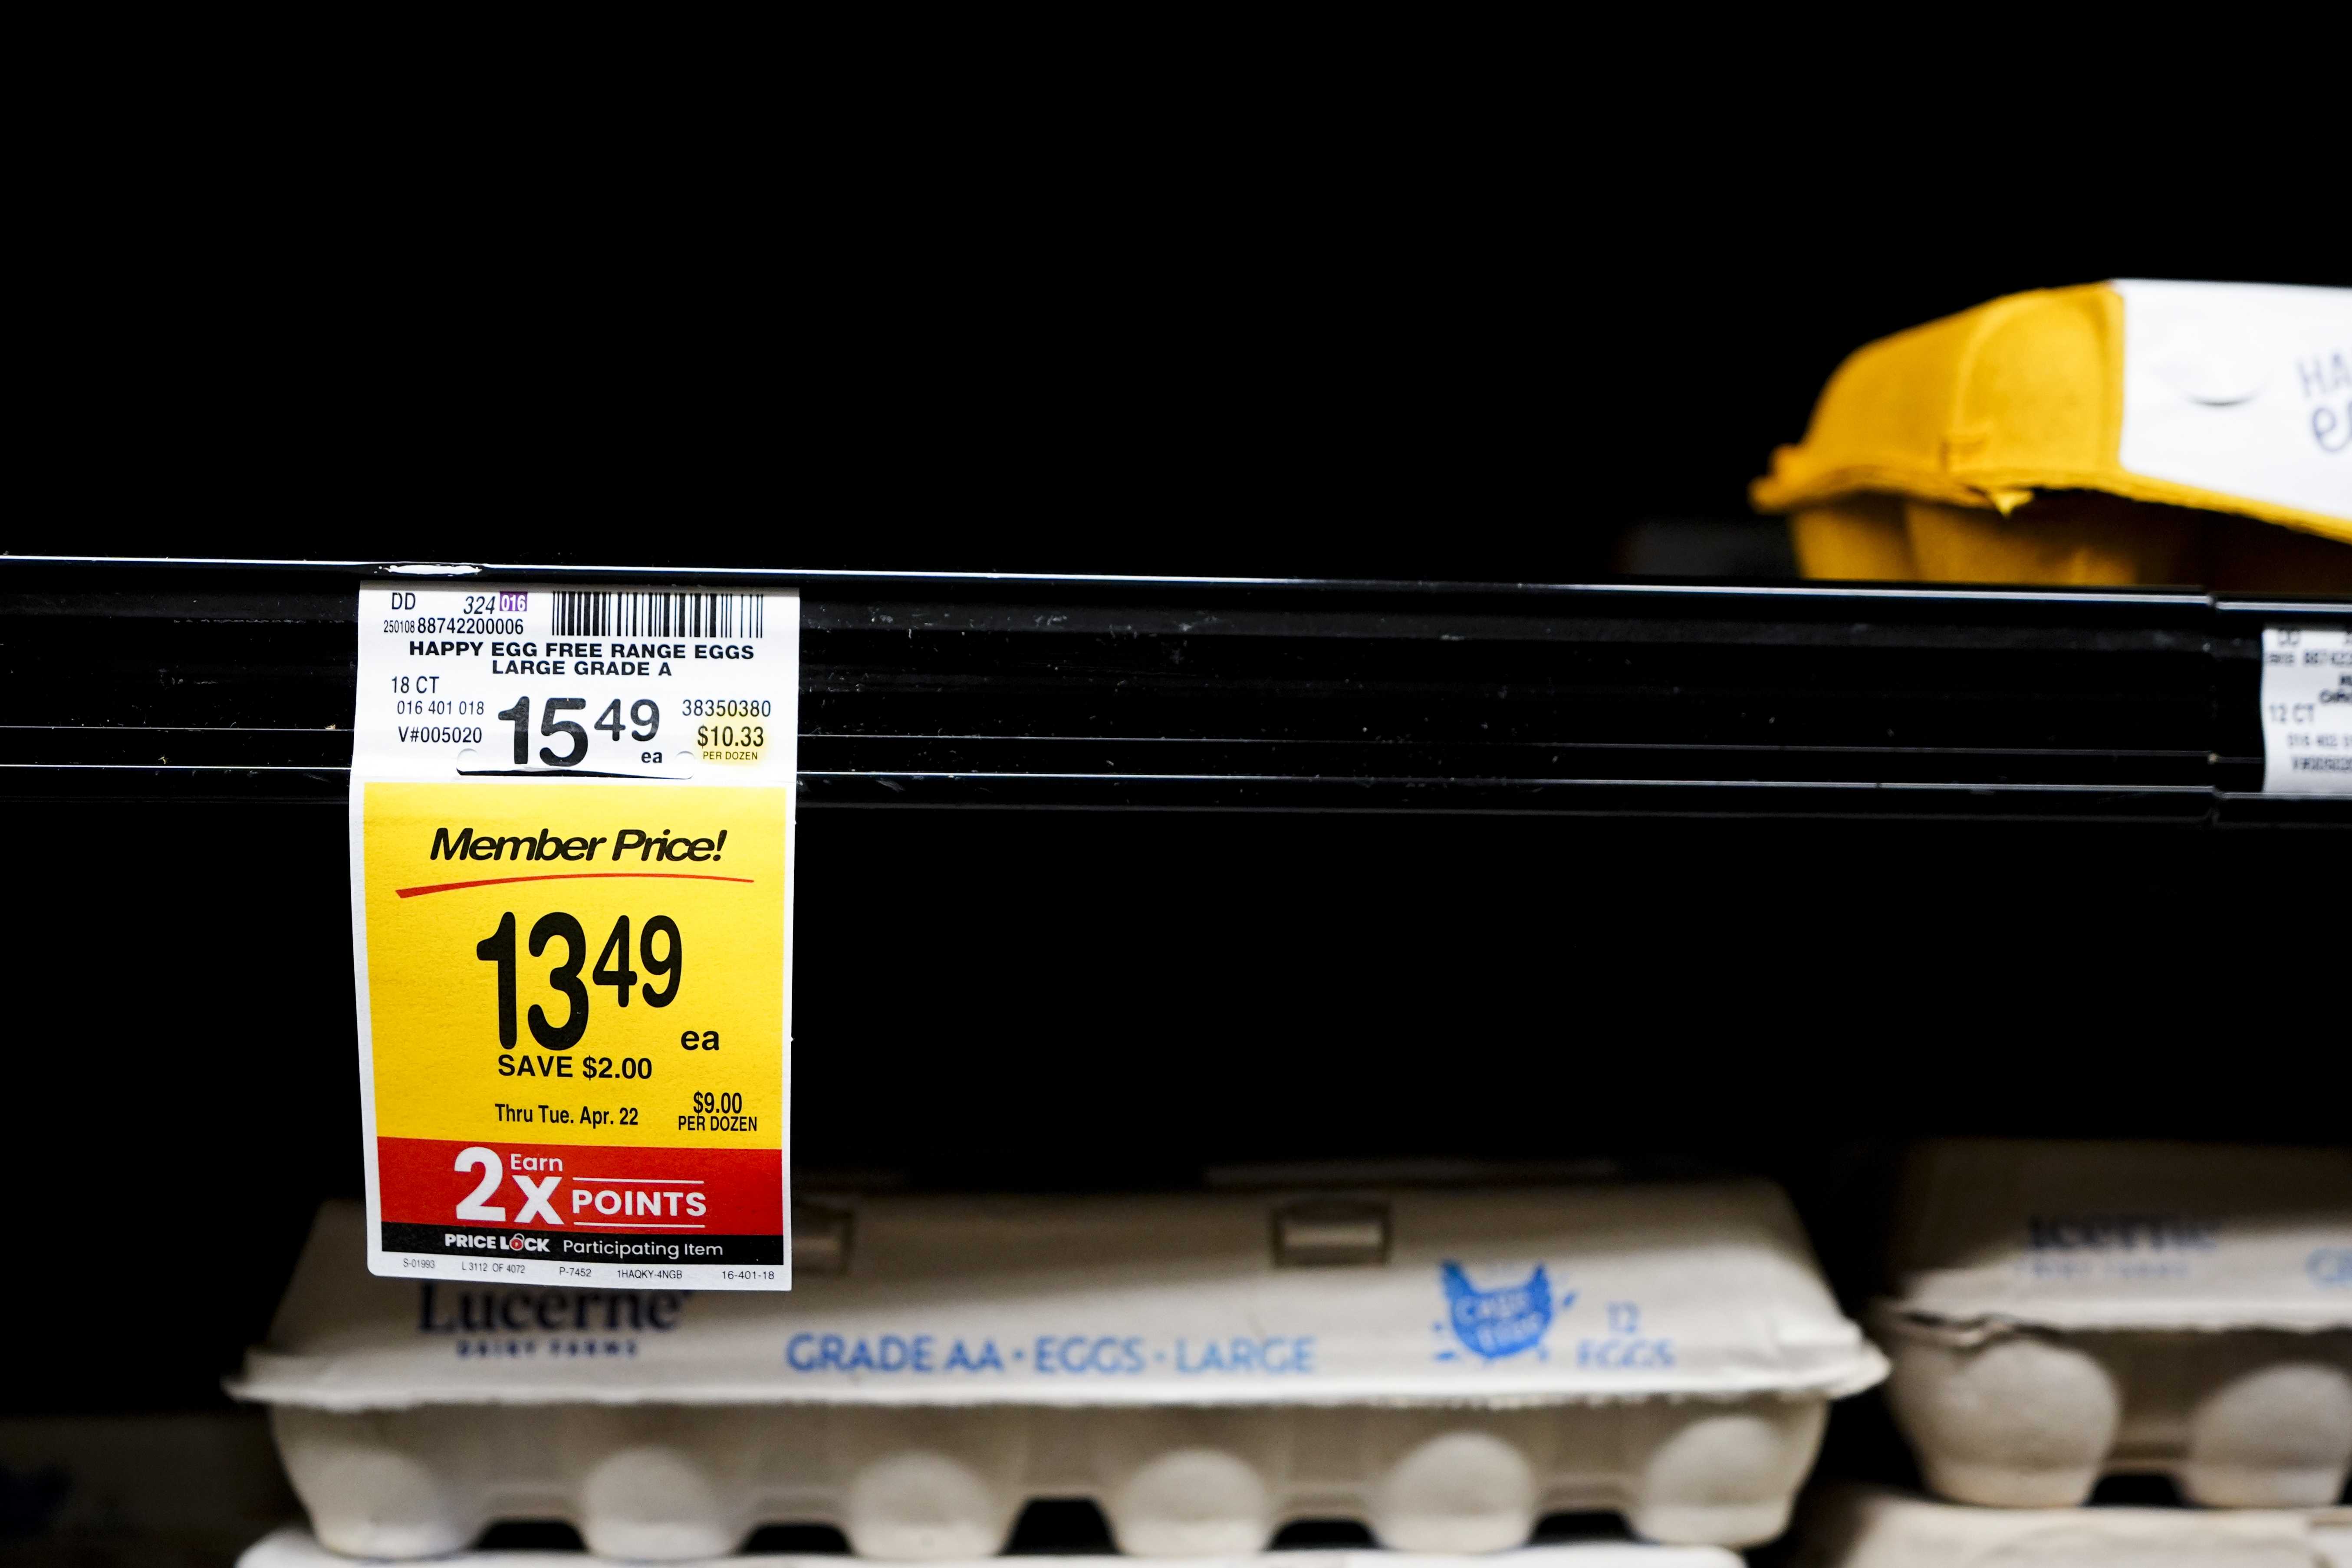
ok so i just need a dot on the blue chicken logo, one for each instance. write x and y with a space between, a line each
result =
1496 1323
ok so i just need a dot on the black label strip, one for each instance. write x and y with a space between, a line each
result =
564 1247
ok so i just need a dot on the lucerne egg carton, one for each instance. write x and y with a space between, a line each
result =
1864 1527
2069 1310
1445 1366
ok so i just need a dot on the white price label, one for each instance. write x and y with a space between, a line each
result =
2243 388
2308 711
483 683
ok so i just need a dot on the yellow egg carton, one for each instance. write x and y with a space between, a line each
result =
2114 433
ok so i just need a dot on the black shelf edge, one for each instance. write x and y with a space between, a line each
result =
222 680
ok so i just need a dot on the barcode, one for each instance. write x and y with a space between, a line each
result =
580 615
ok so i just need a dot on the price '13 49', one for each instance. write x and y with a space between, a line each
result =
666 963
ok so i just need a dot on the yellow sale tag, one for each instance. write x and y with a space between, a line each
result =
576 979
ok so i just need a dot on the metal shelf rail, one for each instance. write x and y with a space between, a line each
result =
232 681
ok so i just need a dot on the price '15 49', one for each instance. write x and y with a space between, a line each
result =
666 963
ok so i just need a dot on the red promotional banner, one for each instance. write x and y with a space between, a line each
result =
567 1201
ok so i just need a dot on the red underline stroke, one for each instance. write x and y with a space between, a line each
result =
564 877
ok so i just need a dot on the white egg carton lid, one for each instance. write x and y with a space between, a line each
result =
2084 1235
1444 1296
294 1547
1869 1527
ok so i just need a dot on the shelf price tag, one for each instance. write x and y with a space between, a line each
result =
571 867
2308 711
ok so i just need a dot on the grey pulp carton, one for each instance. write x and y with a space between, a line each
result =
294 1547
1862 1527
2066 1310
1445 1366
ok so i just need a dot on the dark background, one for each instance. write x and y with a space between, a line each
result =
1472 337
1299 315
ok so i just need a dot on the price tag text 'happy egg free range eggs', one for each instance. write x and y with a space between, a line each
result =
572 859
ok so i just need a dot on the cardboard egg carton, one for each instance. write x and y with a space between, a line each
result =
1860 1527
2069 1310
1445 1366
295 1547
